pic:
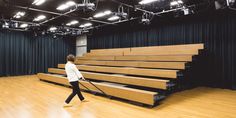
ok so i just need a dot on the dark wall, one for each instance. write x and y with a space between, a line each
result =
23 53
217 30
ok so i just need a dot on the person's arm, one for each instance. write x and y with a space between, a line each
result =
77 72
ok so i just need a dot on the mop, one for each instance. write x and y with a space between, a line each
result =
95 87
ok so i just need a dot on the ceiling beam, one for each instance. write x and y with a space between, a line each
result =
31 23
60 14
176 9
53 18
36 24
117 22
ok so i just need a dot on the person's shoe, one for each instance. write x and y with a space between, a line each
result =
67 105
85 100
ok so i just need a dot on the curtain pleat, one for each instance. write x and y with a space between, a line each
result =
21 53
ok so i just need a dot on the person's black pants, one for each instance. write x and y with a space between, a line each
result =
76 90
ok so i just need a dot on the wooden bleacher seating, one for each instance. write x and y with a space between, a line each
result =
146 97
188 49
132 71
167 65
138 81
163 58
143 74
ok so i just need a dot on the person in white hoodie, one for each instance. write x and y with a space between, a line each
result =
73 76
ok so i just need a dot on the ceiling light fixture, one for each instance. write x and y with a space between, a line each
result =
86 25
86 5
72 23
23 25
102 14
39 18
66 5
175 3
113 18
147 1
19 15
52 29
38 2
5 25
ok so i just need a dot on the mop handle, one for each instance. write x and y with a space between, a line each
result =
97 87
84 86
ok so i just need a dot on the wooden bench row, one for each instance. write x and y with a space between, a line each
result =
128 80
172 74
141 96
150 48
174 58
190 49
132 71
139 64
145 53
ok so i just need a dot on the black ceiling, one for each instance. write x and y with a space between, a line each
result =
8 8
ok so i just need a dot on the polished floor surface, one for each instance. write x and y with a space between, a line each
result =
27 97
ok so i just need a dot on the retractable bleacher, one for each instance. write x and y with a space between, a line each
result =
139 74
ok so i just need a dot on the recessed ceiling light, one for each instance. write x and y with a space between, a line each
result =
66 5
107 12
102 14
68 24
72 23
52 28
19 15
39 18
175 3
23 25
147 1
38 2
180 1
86 25
113 18
98 15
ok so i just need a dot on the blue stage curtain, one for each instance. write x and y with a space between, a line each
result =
23 53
